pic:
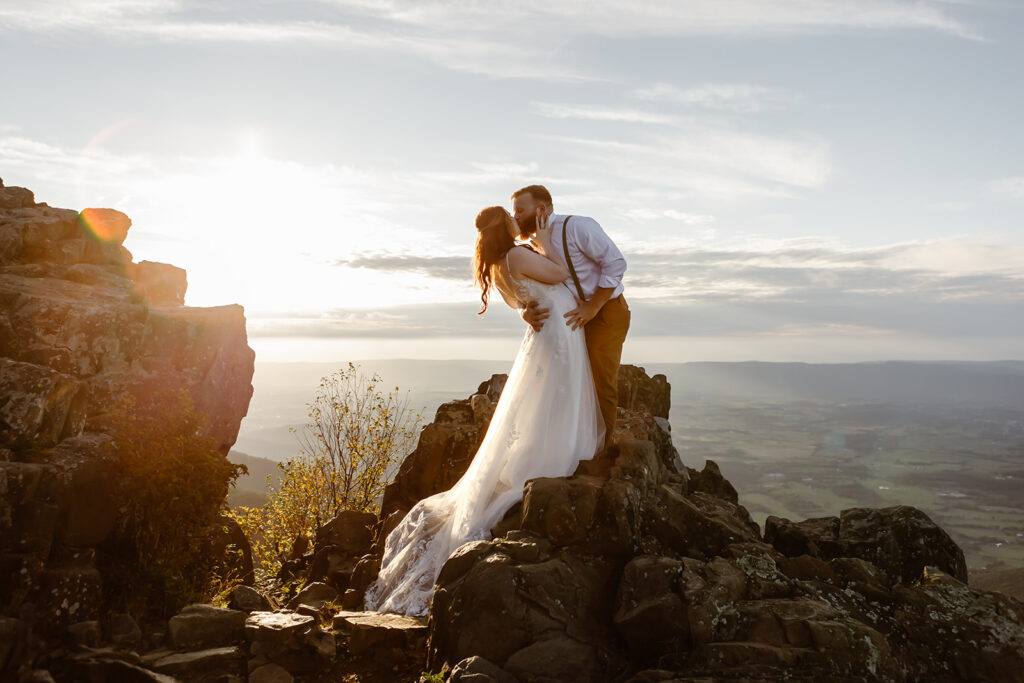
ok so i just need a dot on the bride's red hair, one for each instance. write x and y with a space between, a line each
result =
492 243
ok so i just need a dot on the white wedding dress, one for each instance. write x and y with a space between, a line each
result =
545 422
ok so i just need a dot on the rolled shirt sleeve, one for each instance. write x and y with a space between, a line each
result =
596 245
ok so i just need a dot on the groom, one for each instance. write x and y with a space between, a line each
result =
595 276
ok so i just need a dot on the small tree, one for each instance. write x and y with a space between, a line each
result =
355 435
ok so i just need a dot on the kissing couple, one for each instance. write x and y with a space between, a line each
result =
564 275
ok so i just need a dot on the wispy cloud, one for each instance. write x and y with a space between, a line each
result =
711 159
1012 187
740 97
791 271
440 267
599 113
474 35
645 214
668 17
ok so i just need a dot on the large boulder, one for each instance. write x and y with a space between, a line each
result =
201 625
899 540
293 641
81 327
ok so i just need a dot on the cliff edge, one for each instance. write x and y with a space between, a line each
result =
82 326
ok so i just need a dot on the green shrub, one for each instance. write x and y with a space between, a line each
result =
172 486
355 434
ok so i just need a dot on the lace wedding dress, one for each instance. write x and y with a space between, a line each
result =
545 422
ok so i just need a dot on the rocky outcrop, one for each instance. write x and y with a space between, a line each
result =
633 568
901 541
638 568
82 325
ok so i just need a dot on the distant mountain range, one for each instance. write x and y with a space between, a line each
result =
283 389
998 383
251 489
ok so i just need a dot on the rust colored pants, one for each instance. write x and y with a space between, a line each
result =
605 335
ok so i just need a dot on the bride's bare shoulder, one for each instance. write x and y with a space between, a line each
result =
518 251
521 254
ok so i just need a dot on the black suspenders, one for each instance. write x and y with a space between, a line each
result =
568 259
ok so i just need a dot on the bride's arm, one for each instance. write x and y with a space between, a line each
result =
549 269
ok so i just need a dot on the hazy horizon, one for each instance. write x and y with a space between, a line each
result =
281 390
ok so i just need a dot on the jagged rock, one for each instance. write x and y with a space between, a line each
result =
85 633
555 659
561 509
291 640
200 625
338 547
248 599
637 567
899 540
366 630
639 393
15 197
699 525
41 406
108 225
82 326
667 606
479 670
212 664
120 629
149 658
443 452
539 590
483 408
159 283
351 531
131 673
492 388
361 576
270 673
320 611
102 664
710 480
313 594
91 503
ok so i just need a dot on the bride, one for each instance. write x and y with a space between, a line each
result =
545 422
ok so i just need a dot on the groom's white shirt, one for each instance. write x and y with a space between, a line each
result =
597 260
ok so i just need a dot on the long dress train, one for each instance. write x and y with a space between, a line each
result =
545 422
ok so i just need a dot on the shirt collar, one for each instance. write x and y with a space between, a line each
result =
554 219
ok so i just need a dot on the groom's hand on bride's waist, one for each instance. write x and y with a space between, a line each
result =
586 311
582 314
534 315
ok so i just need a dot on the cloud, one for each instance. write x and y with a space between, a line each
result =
403 322
798 289
612 18
710 159
598 113
1011 187
643 214
456 268
471 35
740 97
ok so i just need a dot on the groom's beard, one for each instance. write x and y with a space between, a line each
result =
529 229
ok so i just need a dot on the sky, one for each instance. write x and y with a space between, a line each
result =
789 180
